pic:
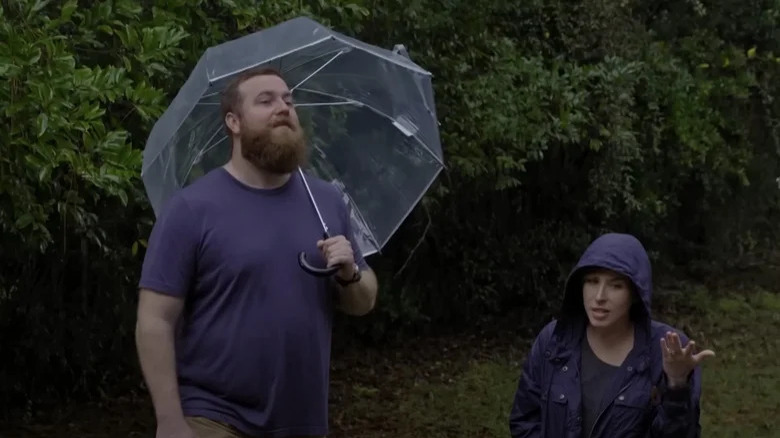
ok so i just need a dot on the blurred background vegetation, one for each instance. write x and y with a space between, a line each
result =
560 120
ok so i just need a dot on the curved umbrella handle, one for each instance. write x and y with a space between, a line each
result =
319 272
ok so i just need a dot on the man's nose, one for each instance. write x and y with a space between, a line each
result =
281 107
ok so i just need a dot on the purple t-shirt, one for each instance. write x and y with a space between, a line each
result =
253 349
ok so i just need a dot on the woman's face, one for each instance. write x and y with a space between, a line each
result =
607 297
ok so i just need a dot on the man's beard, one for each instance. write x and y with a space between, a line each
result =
275 150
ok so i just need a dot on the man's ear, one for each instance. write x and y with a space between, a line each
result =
233 122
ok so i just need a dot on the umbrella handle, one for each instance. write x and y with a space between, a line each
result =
319 272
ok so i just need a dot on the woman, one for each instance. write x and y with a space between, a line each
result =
605 368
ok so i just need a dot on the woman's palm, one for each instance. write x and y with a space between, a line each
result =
679 361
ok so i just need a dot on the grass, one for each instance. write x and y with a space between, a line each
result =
463 386
741 395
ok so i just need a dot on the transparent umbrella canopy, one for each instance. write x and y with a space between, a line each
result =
368 113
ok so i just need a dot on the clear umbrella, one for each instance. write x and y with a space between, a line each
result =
368 113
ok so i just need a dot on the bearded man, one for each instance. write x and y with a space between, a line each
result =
233 336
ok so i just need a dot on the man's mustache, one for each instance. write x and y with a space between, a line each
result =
283 122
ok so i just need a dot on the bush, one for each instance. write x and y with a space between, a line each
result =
559 122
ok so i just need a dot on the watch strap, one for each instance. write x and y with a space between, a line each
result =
355 277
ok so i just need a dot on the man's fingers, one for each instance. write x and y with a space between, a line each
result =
338 254
332 241
338 250
338 260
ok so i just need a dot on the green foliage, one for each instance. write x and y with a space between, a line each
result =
564 121
559 121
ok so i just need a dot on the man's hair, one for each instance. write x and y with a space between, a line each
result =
231 97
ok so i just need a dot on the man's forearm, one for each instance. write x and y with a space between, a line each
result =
359 298
155 343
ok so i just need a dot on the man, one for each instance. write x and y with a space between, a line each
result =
233 336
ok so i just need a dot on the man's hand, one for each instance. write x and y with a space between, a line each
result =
359 297
337 251
679 361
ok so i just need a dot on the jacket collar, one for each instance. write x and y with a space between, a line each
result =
569 334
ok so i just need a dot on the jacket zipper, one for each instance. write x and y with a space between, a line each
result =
595 423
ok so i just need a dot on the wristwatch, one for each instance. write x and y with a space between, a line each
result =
355 277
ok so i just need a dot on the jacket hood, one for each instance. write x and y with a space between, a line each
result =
622 253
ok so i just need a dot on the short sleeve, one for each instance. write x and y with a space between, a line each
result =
170 261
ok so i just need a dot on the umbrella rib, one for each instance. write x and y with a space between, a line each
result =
319 69
314 203
303 105
210 145
290 68
395 122
413 205
356 210
363 220
411 65
203 152
273 58
298 65
331 95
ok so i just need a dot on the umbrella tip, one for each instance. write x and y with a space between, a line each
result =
400 49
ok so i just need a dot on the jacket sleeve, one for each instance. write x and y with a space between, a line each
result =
525 419
677 416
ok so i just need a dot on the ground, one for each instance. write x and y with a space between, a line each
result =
462 386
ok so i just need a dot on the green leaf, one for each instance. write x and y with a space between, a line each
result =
43 123
35 57
122 197
134 248
95 113
44 173
67 9
39 4
24 221
5 66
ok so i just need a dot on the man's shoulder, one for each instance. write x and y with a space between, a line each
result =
320 186
193 200
207 187
332 192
